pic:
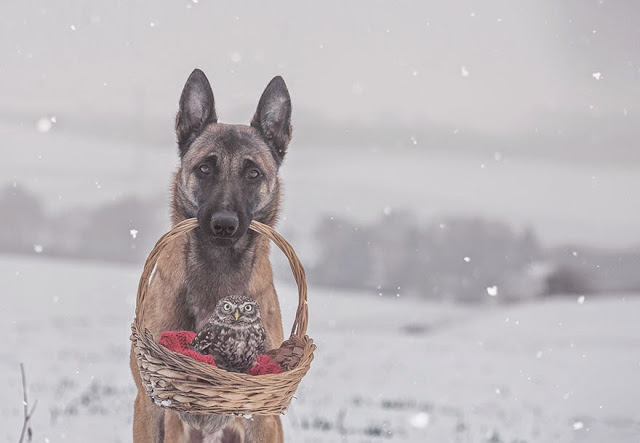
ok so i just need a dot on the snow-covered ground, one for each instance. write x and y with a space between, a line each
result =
386 369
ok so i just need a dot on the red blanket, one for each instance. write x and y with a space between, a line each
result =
180 341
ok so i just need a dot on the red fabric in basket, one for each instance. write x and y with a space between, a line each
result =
180 341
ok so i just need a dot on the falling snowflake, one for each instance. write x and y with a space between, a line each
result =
44 124
463 71
581 299
539 354
72 27
38 249
387 210
467 259
492 291
420 420
597 75
236 57
577 425
134 233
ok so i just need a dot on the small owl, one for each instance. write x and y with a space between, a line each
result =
234 334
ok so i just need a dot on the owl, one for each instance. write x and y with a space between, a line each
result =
234 334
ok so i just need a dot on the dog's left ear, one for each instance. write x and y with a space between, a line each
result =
197 109
273 117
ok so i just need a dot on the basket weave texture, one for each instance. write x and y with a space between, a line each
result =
180 383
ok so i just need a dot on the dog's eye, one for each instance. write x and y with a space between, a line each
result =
254 173
248 308
227 307
205 168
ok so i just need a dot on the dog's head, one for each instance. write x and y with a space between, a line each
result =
229 173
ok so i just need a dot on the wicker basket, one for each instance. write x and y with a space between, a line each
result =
178 382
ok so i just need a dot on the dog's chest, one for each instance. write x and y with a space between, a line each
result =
210 277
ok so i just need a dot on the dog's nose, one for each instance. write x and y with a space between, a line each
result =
224 224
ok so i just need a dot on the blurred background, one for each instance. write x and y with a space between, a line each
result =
460 186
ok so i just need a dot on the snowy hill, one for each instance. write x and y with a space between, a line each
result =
386 369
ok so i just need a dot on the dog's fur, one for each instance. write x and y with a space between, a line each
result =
203 267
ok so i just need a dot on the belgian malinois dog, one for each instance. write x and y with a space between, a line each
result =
228 176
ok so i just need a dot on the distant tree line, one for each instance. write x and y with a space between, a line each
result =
121 231
462 259
455 258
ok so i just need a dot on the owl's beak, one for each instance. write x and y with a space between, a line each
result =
236 314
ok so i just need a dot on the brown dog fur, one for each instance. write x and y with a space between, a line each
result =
196 271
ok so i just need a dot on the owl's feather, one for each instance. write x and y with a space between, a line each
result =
235 342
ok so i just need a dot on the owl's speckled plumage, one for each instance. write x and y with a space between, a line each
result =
234 334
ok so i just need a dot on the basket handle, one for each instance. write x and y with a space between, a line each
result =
299 327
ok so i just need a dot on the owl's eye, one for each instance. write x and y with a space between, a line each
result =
227 307
248 308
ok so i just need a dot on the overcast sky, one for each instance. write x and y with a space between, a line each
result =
493 65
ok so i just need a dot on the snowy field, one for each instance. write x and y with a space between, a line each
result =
386 369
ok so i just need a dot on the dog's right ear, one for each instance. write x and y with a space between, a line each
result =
197 109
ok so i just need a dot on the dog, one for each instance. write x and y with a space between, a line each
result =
228 176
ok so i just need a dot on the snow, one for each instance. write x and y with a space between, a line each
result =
420 420
581 299
386 369
44 124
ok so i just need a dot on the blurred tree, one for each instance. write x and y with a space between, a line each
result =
23 212
568 280
345 259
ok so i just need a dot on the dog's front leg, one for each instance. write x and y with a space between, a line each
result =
148 421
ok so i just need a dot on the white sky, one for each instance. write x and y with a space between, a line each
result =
351 61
